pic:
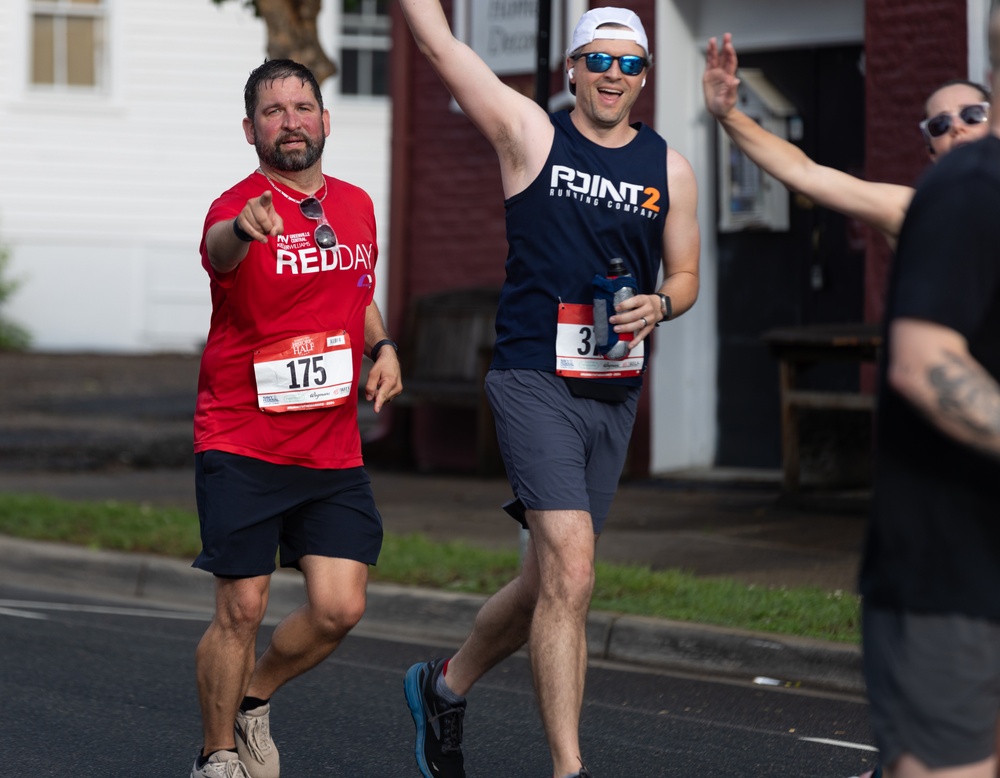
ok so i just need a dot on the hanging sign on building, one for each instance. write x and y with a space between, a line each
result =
503 33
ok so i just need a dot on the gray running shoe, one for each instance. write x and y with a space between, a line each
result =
253 742
221 764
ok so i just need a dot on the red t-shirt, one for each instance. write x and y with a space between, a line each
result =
286 289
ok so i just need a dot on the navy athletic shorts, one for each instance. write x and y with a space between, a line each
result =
249 509
933 685
561 452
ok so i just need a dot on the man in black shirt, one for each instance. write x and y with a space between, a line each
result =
931 571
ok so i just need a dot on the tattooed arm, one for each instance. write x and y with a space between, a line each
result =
932 368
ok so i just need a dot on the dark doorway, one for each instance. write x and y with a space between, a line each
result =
811 274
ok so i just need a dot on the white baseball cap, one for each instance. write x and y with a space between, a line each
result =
587 28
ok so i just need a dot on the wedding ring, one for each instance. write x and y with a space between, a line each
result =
644 322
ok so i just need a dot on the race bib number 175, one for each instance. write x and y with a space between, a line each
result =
304 372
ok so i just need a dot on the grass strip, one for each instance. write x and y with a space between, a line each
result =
413 560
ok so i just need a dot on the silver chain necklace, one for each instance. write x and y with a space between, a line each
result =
287 196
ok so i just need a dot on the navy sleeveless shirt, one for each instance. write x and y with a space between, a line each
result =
588 205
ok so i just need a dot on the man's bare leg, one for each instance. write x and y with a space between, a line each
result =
336 594
501 628
564 543
513 616
224 661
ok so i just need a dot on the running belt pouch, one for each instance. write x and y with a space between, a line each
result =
605 337
592 390
516 510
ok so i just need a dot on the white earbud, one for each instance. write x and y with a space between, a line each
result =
572 73
643 83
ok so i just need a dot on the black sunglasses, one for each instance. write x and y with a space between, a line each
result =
599 62
324 235
936 126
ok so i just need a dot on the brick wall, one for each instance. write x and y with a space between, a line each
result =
911 48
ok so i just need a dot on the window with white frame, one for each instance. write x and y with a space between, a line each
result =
68 44
364 47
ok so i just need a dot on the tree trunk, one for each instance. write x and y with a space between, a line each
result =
292 34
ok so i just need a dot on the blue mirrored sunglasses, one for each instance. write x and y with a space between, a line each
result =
599 62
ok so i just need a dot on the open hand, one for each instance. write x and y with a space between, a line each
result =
719 81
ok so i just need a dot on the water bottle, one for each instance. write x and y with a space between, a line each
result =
616 270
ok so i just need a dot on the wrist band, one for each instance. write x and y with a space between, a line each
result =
378 347
240 233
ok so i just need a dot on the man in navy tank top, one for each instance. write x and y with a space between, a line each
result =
582 188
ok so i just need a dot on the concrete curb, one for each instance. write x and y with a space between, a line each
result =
445 618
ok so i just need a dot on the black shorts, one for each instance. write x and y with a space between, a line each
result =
249 508
933 685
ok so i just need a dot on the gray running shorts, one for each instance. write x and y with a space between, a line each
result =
561 452
248 509
933 686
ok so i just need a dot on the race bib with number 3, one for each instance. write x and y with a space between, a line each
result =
305 372
576 347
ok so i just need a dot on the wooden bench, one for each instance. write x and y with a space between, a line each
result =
796 348
445 351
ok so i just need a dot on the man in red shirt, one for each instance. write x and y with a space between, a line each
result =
277 445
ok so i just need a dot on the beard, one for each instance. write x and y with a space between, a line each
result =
291 161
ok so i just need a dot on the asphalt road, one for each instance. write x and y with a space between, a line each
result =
98 687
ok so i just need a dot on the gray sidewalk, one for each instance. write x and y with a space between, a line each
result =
112 427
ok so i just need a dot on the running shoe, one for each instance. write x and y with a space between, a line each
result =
253 742
439 723
221 764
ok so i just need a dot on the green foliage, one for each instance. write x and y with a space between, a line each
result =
413 560
107 525
416 561
12 337
674 594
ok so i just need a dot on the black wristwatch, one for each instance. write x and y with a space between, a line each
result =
665 307
378 347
